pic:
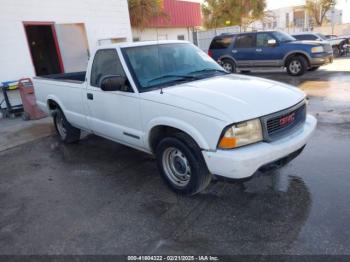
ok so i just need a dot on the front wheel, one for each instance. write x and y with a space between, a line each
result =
67 132
229 65
296 65
181 165
336 51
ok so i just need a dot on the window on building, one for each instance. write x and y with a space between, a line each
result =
180 37
287 20
245 41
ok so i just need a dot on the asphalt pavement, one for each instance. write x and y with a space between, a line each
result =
99 197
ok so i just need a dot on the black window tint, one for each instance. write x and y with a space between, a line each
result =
106 62
221 42
245 41
262 39
305 37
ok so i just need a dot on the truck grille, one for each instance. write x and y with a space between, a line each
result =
283 122
327 48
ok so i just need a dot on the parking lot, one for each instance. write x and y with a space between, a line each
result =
99 197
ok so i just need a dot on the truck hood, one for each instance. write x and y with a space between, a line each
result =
231 98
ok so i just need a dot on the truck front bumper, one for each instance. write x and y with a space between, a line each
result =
245 161
321 59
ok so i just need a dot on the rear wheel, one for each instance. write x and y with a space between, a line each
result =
296 65
229 65
67 132
181 165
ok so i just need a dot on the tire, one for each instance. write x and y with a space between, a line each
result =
181 164
314 68
229 65
67 133
336 51
296 65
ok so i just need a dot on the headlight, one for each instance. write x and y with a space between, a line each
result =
241 134
317 49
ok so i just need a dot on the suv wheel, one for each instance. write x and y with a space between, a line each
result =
296 65
67 132
229 65
181 165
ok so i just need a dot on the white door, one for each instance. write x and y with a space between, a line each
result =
74 47
113 114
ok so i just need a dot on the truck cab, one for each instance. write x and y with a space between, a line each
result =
269 49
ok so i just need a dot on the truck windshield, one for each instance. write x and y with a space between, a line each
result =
283 37
156 66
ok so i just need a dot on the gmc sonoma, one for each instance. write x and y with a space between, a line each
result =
170 99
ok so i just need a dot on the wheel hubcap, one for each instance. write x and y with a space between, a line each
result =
228 67
295 66
176 167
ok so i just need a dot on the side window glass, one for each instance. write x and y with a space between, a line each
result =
245 41
221 43
262 39
106 62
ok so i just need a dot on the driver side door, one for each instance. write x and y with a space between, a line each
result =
113 114
268 54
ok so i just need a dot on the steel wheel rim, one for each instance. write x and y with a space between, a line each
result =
295 66
176 167
228 67
60 126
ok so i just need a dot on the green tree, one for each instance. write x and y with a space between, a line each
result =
219 13
318 9
143 11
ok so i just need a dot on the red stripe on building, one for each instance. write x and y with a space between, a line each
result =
180 14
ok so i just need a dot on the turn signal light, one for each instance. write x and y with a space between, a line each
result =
228 143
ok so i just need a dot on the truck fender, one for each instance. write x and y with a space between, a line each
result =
178 124
56 100
227 57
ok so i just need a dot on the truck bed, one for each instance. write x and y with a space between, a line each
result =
67 77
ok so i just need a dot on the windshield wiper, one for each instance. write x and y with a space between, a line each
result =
209 70
179 78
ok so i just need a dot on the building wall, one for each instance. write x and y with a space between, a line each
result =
103 19
149 34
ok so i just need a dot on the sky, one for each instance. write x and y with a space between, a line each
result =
272 4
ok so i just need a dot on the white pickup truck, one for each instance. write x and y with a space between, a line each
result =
170 99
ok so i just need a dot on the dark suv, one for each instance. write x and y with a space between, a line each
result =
269 49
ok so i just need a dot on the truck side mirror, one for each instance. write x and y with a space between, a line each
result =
112 82
272 42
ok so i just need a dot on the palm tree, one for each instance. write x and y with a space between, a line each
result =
144 11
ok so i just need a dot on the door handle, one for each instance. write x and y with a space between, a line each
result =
258 50
234 51
90 96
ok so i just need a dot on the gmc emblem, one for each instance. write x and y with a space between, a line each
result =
287 119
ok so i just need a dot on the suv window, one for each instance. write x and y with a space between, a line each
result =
221 42
305 37
106 62
262 39
245 41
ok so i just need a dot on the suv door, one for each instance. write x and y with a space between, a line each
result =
244 50
113 114
268 54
